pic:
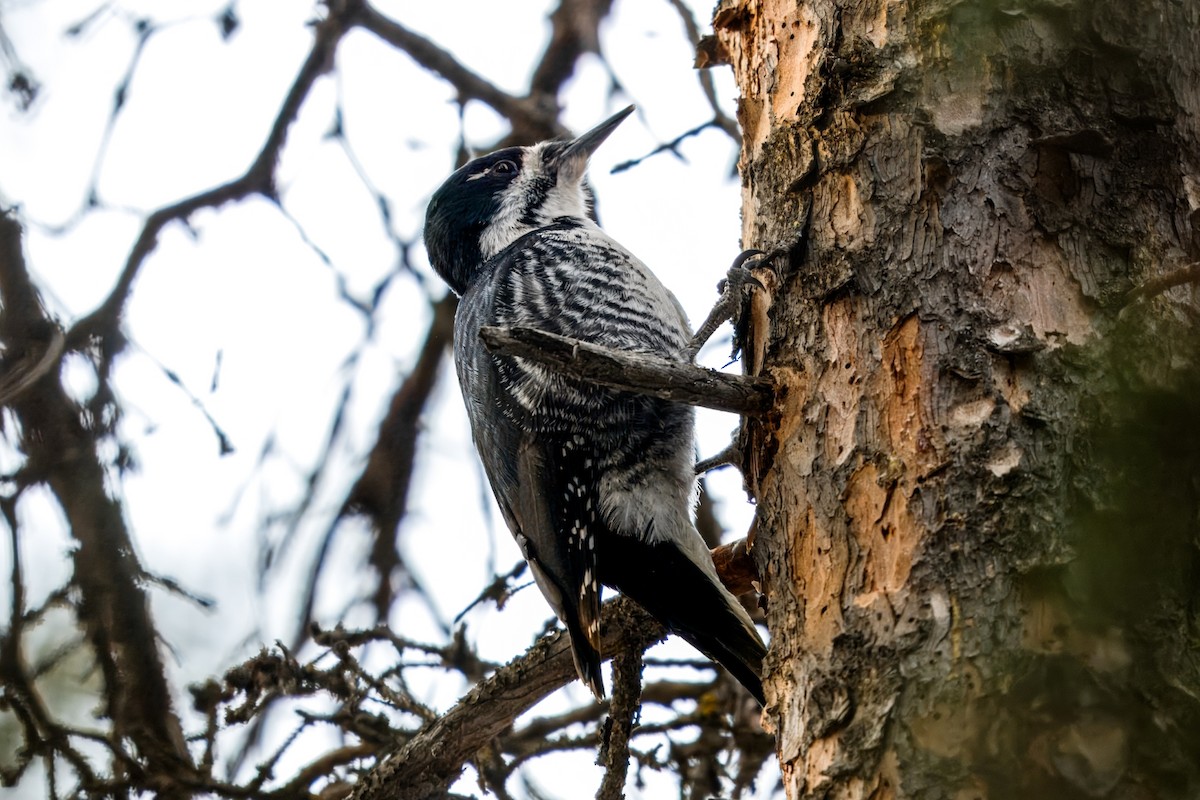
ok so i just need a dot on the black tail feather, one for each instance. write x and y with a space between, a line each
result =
587 658
676 592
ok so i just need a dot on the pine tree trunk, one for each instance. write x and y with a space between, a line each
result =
979 501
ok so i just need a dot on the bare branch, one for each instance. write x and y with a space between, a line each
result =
62 454
614 753
634 372
258 179
434 758
666 147
469 85
721 119
1160 284
323 766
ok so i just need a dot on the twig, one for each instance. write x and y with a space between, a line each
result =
666 147
323 766
115 612
259 178
634 372
498 591
721 119
627 692
434 758
542 728
470 86
1160 284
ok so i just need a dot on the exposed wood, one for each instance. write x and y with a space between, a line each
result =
736 566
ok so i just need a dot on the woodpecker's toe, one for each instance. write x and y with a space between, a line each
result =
735 288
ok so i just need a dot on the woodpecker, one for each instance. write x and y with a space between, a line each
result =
596 485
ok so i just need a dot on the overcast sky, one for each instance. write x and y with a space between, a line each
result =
244 307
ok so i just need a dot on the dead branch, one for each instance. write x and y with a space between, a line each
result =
622 715
634 372
61 453
259 179
469 85
1160 284
434 758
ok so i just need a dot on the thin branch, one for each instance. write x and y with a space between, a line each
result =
627 692
434 758
323 766
469 85
1155 286
498 591
666 147
721 119
634 372
542 728
259 178
61 453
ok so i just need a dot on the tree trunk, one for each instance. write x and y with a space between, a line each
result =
978 504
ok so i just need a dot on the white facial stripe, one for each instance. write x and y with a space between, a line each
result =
565 200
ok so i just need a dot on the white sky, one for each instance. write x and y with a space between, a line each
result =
243 287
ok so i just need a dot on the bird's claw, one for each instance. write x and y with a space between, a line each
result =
734 288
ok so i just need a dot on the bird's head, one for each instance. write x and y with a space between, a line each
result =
490 202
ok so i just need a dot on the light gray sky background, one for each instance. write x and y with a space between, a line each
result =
243 296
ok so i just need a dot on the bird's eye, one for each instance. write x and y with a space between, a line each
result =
504 168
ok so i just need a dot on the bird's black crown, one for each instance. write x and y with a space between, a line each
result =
460 211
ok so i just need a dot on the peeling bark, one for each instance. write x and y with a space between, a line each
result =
978 498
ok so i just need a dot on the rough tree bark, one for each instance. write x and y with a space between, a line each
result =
978 498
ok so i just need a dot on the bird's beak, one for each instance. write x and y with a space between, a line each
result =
572 162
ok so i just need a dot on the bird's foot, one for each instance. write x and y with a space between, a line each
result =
735 289
731 455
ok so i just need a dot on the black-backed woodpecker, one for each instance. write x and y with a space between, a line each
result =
597 485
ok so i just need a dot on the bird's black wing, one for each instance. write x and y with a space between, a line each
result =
542 472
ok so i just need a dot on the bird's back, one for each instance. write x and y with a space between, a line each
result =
596 484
